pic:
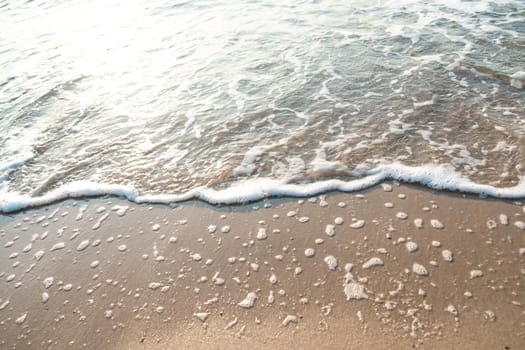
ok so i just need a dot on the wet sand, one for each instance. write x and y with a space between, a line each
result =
399 267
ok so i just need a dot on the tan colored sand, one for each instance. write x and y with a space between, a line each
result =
154 280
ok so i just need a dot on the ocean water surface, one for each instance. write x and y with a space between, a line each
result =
236 100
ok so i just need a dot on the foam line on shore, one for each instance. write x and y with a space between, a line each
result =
439 177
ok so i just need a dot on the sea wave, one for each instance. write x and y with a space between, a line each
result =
438 177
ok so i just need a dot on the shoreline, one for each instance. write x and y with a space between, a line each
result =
432 177
150 276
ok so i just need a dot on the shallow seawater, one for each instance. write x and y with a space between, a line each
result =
163 97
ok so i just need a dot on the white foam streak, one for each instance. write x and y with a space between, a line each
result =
439 177
11 202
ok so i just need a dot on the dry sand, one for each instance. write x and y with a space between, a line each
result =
428 270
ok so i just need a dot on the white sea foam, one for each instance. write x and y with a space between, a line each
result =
249 301
57 246
438 225
261 234
447 255
439 177
83 245
331 261
418 222
372 262
309 252
21 319
289 319
520 224
419 269
48 282
411 246
330 230
357 224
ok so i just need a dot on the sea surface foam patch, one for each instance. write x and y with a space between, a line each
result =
440 177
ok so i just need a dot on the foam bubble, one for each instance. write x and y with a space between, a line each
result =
271 298
57 246
309 252
451 309
218 281
435 223
419 269
81 211
447 255
331 261
386 187
232 323
476 274
411 246
330 230
83 245
4 305
154 285
21 319
38 255
120 210
97 224
203 316
48 282
491 224
261 234
357 224
249 301
520 225
289 319
372 262
196 257
402 215
351 288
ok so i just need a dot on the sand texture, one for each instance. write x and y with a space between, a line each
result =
395 267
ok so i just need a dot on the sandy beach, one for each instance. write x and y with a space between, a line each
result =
394 267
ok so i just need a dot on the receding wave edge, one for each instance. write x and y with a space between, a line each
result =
439 177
